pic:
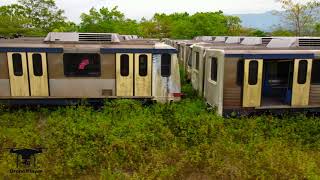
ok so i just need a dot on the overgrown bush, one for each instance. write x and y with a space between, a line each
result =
128 140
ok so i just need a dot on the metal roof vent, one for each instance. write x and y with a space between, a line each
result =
309 42
204 38
266 40
282 43
252 41
234 40
103 37
82 37
220 39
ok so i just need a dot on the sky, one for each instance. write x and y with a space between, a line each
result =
136 9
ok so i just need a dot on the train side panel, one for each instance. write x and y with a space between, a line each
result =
4 76
214 78
62 86
166 82
232 91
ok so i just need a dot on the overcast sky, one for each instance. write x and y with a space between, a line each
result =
136 9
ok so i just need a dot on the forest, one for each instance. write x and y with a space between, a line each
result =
38 17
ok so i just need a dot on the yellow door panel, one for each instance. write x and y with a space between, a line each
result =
124 75
252 92
18 73
38 76
142 77
301 90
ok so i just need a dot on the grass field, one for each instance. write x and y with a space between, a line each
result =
127 140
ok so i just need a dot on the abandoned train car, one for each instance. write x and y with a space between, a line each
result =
242 79
196 62
71 66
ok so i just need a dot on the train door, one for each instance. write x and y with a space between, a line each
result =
252 83
38 76
124 74
28 74
142 74
301 82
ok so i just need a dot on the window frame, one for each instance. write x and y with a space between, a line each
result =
164 65
300 70
250 72
14 63
313 71
33 64
197 61
189 60
68 73
122 62
215 80
146 65
240 72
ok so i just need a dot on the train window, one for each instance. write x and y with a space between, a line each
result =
315 78
240 67
17 64
189 60
197 60
214 69
165 65
182 52
124 65
81 65
37 64
302 71
143 65
253 72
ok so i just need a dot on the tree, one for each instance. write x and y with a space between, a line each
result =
44 14
13 20
300 17
234 25
107 20
282 32
185 26
147 28
317 29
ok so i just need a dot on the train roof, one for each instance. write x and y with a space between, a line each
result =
90 42
258 42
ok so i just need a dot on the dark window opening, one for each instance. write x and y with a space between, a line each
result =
315 76
302 71
143 65
124 65
189 59
81 65
214 69
253 72
165 65
37 64
197 60
240 68
17 64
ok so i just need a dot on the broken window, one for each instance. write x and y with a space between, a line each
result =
81 64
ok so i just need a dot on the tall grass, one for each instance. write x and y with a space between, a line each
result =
126 140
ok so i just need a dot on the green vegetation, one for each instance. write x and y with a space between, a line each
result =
126 140
300 17
38 17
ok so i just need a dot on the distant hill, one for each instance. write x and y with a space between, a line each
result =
263 21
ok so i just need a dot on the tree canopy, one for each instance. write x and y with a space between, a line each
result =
38 17
300 17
